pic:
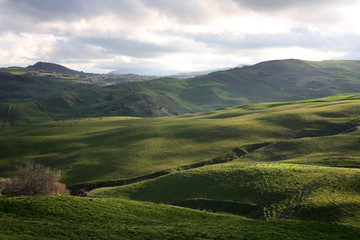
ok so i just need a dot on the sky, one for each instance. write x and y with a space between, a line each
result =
161 37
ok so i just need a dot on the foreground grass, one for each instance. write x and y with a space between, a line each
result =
89 218
123 147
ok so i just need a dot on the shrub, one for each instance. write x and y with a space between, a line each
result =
3 183
34 179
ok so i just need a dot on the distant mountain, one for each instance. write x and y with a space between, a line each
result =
53 68
280 80
198 73
182 75
22 83
45 78
131 77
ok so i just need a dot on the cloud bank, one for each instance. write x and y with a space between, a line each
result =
169 36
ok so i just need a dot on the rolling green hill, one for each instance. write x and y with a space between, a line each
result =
123 147
90 218
282 167
260 191
311 175
281 80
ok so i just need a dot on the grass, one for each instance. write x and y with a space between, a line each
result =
306 178
124 147
335 151
272 190
90 218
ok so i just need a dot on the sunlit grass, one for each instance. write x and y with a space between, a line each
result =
124 147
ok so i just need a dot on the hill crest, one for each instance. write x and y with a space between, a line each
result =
53 68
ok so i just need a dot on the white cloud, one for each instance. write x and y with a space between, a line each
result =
175 36
25 48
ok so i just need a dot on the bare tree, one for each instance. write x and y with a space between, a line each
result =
35 179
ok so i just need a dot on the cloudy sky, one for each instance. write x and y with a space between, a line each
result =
171 36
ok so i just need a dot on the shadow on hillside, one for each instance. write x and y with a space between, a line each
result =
249 210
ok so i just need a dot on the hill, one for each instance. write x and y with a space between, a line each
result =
123 147
281 80
258 191
293 164
48 78
85 218
21 83
53 68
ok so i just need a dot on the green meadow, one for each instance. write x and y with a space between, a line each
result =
93 149
94 218
292 172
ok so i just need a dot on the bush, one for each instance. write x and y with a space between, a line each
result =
34 179
3 183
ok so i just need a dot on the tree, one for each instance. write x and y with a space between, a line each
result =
34 179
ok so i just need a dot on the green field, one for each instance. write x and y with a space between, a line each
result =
94 149
292 173
90 218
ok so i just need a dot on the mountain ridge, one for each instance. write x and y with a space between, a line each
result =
271 81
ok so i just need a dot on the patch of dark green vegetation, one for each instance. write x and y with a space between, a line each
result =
80 189
249 210
328 129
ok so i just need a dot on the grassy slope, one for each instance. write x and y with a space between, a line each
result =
269 191
300 177
268 81
87 218
121 147
323 184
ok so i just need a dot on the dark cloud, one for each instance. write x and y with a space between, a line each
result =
37 11
299 37
127 47
26 14
274 5
184 11
51 10
29 15
45 10
74 49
